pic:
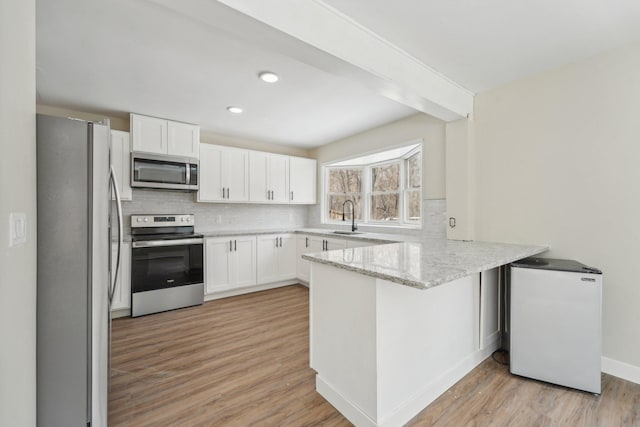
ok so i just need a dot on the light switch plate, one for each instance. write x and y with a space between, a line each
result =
17 228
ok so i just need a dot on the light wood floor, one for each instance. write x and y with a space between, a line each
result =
245 361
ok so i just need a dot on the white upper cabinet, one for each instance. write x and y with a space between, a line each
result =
224 174
184 139
160 136
229 174
302 180
121 162
269 177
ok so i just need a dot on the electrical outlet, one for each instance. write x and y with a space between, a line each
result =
17 228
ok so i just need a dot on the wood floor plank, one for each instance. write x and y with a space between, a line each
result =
244 361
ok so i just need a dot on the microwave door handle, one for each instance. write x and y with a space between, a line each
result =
188 177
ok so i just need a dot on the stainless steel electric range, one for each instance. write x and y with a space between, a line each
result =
166 263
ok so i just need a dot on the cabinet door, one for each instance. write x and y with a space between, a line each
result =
211 173
358 244
149 134
217 267
243 261
267 258
302 265
121 162
333 244
279 178
236 171
183 139
287 257
302 180
316 244
122 294
259 190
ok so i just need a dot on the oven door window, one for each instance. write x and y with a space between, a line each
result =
166 267
146 170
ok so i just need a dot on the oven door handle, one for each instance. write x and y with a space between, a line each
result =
157 243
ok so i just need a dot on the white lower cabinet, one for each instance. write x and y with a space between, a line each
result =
230 263
276 257
359 244
309 244
122 294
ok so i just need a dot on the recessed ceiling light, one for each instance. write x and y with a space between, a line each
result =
269 77
234 110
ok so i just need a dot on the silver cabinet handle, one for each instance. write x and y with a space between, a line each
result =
280 241
276 242
292 195
235 246
306 242
223 192
230 245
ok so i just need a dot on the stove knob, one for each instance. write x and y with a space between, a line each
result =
182 219
146 220
139 219
188 219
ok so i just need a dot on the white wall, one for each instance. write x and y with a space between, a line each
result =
121 122
558 162
430 129
17 194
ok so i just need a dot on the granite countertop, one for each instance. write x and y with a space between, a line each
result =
426 263
323 232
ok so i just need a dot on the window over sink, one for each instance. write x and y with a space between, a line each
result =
385 188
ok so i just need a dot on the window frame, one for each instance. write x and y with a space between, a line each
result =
328 194
367 191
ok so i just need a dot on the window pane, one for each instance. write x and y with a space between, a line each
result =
336 203
345 180
414 163
384 207
385 177
413 205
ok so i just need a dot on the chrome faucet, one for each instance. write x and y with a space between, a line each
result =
353 214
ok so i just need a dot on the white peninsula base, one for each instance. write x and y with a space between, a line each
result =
383 351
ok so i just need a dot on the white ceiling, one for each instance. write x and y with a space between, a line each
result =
126 56
484 44
188 60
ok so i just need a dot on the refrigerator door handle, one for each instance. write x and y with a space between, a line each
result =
114 185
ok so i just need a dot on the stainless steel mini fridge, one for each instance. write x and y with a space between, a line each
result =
556 333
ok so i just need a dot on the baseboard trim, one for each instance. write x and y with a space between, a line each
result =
121 312
621 370
410 408
342 404
249 289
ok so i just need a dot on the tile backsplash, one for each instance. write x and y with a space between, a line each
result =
433 226
232 216
258 216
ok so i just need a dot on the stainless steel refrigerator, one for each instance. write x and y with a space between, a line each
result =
75 283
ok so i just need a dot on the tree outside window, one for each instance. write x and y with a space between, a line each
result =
385 192
385 187
414 183
344 184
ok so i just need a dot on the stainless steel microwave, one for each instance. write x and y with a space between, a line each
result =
164 172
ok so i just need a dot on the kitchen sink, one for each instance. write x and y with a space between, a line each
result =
347 232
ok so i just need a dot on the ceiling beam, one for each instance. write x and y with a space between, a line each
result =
374 61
